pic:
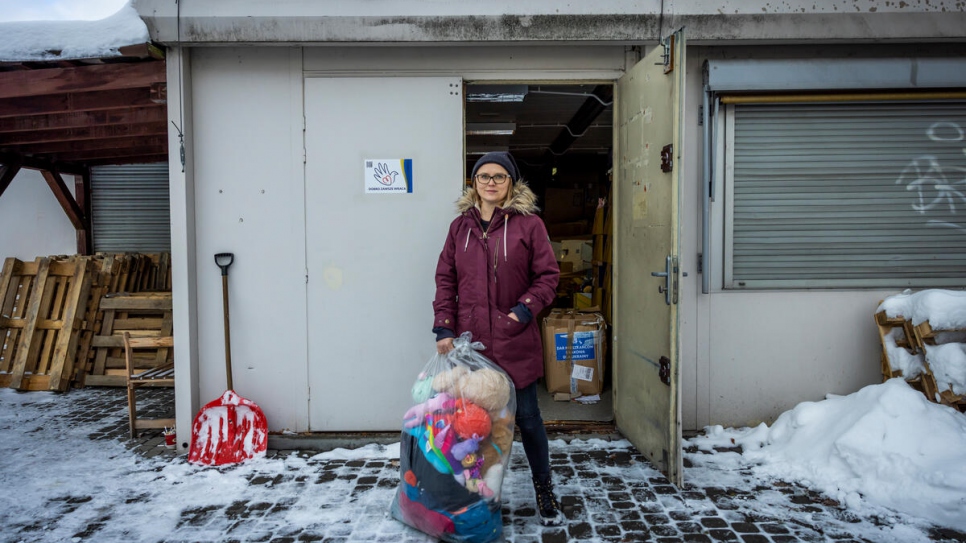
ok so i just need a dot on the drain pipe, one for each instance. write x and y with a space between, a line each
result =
707 190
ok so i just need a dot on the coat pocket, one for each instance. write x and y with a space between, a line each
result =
507 328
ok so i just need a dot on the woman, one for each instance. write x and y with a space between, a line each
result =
496 272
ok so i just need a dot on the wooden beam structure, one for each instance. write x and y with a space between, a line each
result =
7 172
81 79
65 199
66 116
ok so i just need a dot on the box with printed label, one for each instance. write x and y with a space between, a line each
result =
573 352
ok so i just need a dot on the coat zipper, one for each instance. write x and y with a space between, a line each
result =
485 245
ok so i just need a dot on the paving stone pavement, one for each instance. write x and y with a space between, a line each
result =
609 494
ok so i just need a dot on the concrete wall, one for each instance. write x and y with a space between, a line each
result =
32 223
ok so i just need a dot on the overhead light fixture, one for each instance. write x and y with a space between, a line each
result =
485 148
496 93
490 129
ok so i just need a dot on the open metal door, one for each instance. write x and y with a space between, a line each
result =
647 404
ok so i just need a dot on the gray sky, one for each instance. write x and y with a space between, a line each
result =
58 10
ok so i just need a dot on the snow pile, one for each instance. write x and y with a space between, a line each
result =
63 40
885 444
944 309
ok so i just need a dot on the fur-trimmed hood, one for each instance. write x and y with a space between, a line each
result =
522 200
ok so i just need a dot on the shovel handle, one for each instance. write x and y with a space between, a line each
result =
223 260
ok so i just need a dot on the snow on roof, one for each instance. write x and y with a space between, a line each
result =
22 41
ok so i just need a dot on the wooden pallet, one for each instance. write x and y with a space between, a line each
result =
43 308
145 314
915 339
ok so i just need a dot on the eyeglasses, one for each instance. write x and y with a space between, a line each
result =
499 178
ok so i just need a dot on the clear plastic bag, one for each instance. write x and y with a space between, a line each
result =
455 447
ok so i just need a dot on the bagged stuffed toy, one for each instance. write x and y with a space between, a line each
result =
455 447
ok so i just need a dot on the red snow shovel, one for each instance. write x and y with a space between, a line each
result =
231 429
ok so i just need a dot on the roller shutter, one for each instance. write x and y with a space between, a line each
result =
130 208
866 194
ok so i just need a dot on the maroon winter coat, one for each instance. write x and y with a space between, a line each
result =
481 276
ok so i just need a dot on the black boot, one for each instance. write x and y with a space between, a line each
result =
549 509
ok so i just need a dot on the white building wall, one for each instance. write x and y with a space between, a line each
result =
248 181
746 356
32 223
749 356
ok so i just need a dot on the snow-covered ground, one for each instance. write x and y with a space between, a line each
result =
890 463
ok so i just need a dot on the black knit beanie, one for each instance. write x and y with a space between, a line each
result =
502 158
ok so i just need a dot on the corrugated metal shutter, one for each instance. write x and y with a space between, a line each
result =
130 208
848 195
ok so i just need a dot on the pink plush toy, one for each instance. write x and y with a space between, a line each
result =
439 402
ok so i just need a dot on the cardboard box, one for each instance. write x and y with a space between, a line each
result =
579 252
573 352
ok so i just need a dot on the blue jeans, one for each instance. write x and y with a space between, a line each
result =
532 432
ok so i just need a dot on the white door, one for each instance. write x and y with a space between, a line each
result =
372 243
647 405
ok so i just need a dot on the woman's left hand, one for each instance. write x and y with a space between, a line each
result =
513 316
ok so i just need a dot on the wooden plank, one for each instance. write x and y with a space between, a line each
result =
136 322
26 354
13 305
49 124
8 296
136 302
151 342
66 349
46 324
83 132
46 337
141 424
35 383
99 282
81 79
75 101
11 266
7 173
65 198
106 333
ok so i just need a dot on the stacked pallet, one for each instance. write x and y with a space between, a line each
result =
50 312
912 351
42 312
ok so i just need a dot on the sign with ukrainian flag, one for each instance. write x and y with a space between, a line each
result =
389 176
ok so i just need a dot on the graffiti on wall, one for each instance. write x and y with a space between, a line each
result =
938 186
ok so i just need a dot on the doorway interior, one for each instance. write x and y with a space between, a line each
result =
561 136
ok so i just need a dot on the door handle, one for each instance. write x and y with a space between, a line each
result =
670 286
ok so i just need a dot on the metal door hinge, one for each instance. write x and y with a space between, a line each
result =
664 370
667 158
